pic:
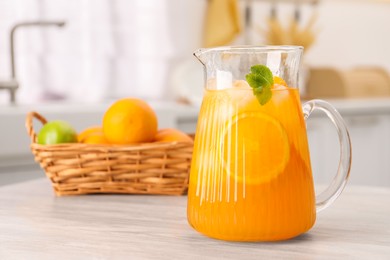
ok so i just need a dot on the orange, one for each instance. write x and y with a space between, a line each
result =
96 138
171 135
88 131
129 120
92 135
255 148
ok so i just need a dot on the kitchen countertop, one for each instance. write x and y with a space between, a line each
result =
344 105
35 224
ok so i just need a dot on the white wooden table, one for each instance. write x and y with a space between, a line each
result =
34 224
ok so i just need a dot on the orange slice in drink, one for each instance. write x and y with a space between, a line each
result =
255 148
279 81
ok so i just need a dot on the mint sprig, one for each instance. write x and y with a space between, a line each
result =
261 80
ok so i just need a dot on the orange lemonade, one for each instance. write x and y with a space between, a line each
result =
250 175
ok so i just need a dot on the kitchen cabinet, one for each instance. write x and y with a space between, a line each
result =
371 154
370 136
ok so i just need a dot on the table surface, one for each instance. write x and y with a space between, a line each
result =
35 224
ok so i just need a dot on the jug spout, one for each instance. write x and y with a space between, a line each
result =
200 55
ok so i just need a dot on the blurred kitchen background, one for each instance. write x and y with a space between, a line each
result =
72 58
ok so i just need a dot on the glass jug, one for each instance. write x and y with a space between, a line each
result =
251 176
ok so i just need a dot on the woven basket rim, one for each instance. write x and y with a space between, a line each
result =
106 147
109 147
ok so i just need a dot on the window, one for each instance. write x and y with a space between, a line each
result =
108 48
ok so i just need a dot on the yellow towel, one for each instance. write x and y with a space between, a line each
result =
222 22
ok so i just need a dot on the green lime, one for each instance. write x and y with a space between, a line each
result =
57 132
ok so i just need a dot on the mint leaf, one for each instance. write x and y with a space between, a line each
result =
263 95
261 80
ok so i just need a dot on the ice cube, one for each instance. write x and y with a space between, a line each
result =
280 94
241 94
241 84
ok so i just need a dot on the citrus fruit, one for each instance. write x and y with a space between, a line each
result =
129 120
171 135
88 131
92 135
96 138
255 148
57 132
279 81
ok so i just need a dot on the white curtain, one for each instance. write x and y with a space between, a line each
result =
108 48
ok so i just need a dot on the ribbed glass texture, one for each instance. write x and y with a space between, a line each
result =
251 175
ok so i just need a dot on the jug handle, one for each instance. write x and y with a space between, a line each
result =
328 196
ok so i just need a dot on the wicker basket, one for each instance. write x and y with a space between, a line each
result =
151 168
